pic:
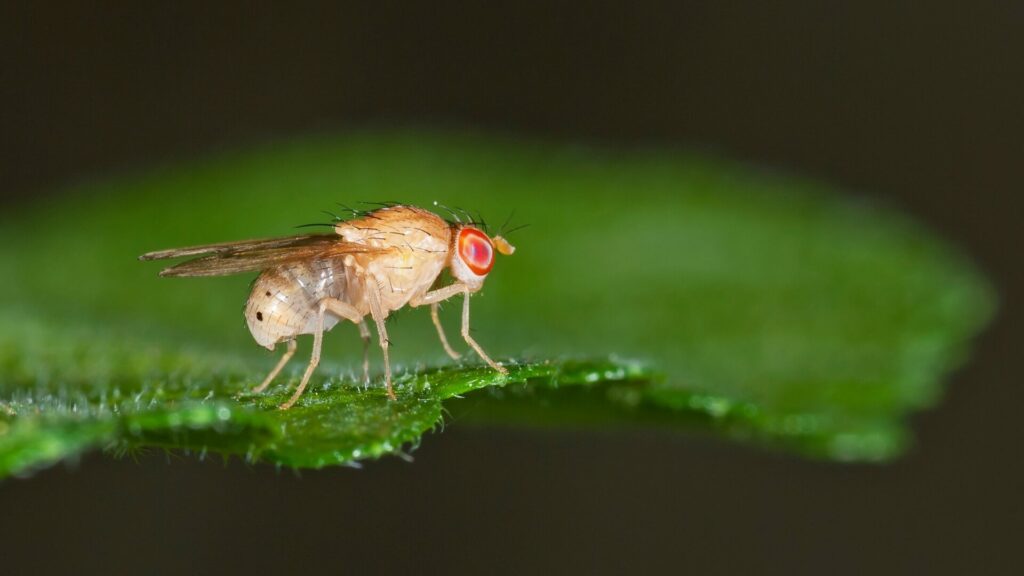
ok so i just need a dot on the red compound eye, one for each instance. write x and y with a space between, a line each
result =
476 251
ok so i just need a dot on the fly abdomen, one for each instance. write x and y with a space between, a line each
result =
284 300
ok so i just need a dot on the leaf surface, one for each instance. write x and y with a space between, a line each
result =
761 307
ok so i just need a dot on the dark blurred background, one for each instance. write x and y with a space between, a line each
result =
917 107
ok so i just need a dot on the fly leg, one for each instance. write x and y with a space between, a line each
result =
277 369
440 332
377 311
469 339
447 292
364 333
336 307
346 311
318 340
434 298
440 295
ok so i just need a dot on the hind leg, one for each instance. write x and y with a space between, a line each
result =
277 369
338 308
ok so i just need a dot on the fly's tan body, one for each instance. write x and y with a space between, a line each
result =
382 261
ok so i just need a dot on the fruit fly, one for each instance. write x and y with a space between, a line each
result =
372 264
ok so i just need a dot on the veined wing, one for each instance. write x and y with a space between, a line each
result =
239 246
249 255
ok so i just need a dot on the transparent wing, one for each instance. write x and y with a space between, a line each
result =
249 255
239 246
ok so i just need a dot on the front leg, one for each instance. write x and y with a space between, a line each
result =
469 339
440 295
434 298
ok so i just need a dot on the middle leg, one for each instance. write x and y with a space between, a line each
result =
364 333
377 311
440 331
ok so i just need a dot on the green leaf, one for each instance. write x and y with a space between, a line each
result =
752 305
